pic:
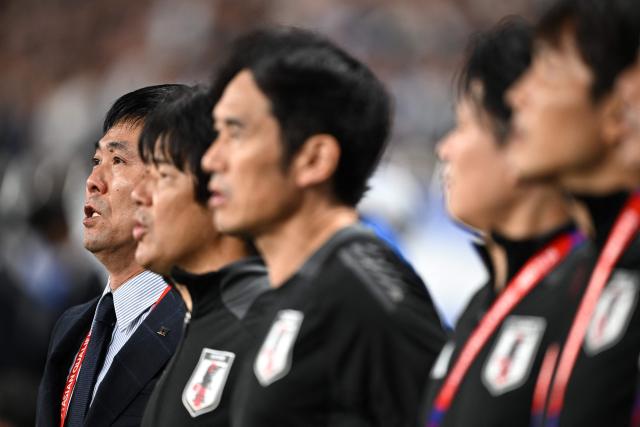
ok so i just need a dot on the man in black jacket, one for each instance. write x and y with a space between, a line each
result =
351 331
487 374
568 122
215 274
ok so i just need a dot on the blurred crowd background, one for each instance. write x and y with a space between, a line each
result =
64 62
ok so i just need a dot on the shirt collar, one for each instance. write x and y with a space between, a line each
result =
518 252
135 296
604 210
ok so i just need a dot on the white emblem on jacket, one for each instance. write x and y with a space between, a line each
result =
513 353
204 389
441 366
274 358
613 312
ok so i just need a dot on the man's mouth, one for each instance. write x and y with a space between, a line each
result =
517 131
444 173
217 196
91 215
139 231
90 212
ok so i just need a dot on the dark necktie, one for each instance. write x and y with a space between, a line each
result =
101 332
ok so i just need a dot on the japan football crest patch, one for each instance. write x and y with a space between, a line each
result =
613 312
512 356
204 389
274 358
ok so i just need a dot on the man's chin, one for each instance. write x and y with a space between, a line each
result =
156 267
230 228
526 169
150 262
93 246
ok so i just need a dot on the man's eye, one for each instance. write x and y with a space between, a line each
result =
117 160
235 131
95 161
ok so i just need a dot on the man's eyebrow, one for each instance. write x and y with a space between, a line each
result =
114 146
233 121
162 161
119 146
230 122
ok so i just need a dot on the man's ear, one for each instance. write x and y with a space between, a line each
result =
316 161
612 119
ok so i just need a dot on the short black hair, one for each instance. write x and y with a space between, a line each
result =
606 33
496 58
315 87
182 130
134 107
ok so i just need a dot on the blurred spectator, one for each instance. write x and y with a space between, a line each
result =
18 392
43 279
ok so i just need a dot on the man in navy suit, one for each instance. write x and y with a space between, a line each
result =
145 315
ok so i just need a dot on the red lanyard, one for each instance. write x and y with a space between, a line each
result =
543 383
625 227
526 280
77 363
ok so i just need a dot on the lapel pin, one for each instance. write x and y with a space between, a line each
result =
163 331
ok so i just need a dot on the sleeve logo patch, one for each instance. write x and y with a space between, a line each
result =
510 361
203 391
613 312
380 275
274 358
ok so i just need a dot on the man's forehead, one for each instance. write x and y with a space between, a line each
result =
120 138
160 151
566 51
561 41
242 96
542 47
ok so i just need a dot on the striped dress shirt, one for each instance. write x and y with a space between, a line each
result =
133 302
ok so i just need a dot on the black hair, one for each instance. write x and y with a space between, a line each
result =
182 130
496 59
134 107
606 34
315 87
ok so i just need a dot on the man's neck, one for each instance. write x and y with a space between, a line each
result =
120 265
221 251
119 277
498 258
538 211
288 245
610 175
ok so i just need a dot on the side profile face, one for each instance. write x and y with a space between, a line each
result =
109 208
556 123
171 227
479 184
628 88
252 192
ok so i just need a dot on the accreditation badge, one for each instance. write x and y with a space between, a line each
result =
204 389
613 312
274 358
509 363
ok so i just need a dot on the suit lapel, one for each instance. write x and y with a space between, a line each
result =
140 360
66 338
